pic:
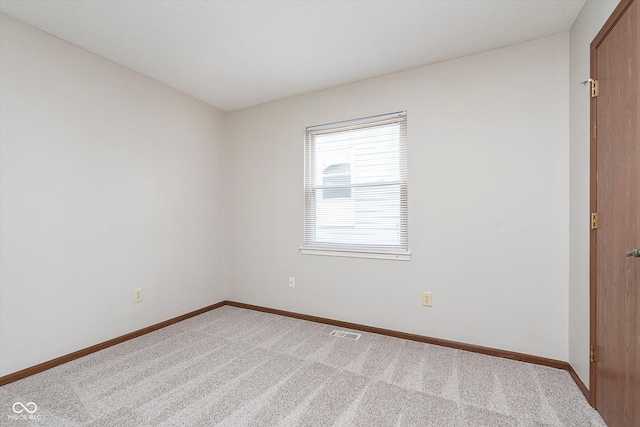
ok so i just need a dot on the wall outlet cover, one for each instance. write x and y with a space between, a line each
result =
426 299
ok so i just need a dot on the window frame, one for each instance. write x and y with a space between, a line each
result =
357 250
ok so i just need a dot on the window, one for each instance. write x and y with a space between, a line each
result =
356 188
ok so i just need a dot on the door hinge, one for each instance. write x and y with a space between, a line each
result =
594 88
594 220
593 354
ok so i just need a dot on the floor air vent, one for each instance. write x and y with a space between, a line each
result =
348 335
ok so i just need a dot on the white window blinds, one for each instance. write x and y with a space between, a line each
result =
356 188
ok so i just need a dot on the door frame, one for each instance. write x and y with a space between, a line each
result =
593 237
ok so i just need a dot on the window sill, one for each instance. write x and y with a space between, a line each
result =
402 256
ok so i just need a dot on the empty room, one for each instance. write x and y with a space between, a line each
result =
319 213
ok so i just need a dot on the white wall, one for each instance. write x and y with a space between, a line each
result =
591 18
488 203
109 181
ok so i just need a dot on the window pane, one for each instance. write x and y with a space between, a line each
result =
337 174
371 217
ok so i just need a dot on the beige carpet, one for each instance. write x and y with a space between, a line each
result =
234 367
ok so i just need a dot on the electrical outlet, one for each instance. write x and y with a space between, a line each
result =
137 295
292 282
426 299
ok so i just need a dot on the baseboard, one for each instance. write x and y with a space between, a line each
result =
553 363
559 364
583 388
101 346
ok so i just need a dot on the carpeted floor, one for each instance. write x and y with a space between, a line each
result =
234 367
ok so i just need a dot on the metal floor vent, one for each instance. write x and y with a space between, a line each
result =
348 335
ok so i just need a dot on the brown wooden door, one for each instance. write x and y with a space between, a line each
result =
615 376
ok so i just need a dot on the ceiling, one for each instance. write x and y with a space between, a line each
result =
235 54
